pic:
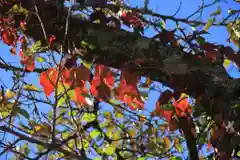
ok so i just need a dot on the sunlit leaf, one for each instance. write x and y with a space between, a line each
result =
179 148
94 133
30 87
40 59
226 63
110 149
238 153
17 8
36 47
88 117
175 158
209 24
131 132
9 94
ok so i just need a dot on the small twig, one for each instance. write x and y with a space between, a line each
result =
40 20
179 7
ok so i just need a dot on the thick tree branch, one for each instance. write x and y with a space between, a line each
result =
56 147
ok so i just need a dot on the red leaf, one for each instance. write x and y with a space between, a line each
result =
67 76
27 61
130 95
102 83
30 66
131 18
7 37
51 40
167 114
48 80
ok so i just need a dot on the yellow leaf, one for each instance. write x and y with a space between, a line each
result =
86 64
132 133
9 94
226 63
30 87
238 153
41 129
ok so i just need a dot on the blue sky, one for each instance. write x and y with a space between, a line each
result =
169 7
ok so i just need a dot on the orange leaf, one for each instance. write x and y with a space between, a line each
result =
48 80
78 97
182 106
30 66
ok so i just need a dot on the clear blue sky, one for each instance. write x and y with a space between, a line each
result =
169 7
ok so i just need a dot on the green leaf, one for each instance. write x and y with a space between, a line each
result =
95 133
87 64
209 24
26 149
36 47
17 8
24 113
88 117
107 115
217 12
175 158
162 24
168 107
119 115
109 150
201 40
64 92
132 132
40 59
151 146
109 131
179 148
